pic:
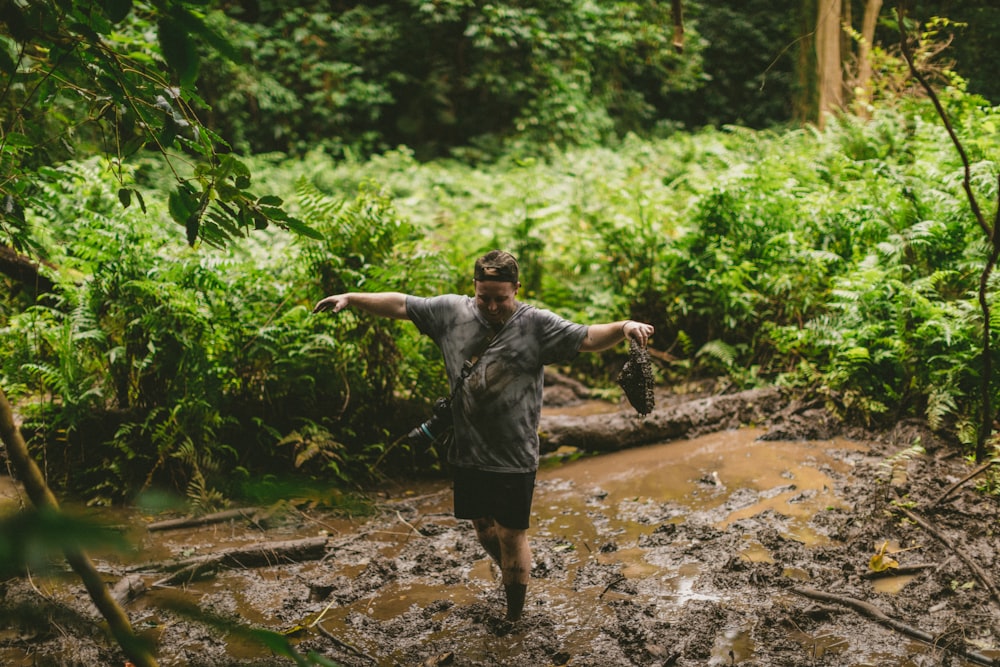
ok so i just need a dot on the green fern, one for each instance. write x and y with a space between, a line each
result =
941 406
894 466
721 351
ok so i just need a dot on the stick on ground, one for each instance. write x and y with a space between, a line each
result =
874 613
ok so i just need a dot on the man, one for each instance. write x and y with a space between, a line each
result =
502 345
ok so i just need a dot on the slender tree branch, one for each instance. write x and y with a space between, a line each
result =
986 418
983 577
42 498
951 489
967 180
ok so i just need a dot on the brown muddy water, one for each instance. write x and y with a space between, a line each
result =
680 553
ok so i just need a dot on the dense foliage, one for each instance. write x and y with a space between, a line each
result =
445 75
473 79
118 79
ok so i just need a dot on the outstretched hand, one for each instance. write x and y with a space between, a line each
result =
335 303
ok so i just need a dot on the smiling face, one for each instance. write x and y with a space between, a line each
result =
496 300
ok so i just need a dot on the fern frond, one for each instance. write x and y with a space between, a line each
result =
940 405
720 351
317 206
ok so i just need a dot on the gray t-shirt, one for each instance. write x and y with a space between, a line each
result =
497 410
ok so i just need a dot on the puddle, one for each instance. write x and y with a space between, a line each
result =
682 586
893 584
757 553
582 509
722 478
732 648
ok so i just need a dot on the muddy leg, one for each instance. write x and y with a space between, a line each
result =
515 563
510 549
486 532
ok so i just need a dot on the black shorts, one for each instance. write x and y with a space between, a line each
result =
504 496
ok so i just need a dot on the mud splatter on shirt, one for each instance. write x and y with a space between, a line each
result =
498 407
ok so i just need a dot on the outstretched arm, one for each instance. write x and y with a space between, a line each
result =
381 304
602 336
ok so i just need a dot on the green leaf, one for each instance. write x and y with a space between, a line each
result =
235 166
182 204
8 51
142 201
195 25
17 140
167 136
116 10
302 229
227 192
192 225
178 50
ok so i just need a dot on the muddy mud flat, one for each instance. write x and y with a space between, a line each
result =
742 546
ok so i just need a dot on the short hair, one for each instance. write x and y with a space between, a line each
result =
498 266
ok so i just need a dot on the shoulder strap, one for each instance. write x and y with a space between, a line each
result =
471 362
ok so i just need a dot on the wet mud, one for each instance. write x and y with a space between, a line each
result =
703 551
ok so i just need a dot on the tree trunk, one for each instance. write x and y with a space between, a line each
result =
677 12
863 90
42 498
805 64
828 59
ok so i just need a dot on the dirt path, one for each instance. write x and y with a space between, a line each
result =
693 552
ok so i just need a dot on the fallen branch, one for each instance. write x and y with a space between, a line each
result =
203 520
971 564
344 645
25 270
259 555
951 489
614 582
874 613
616 431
